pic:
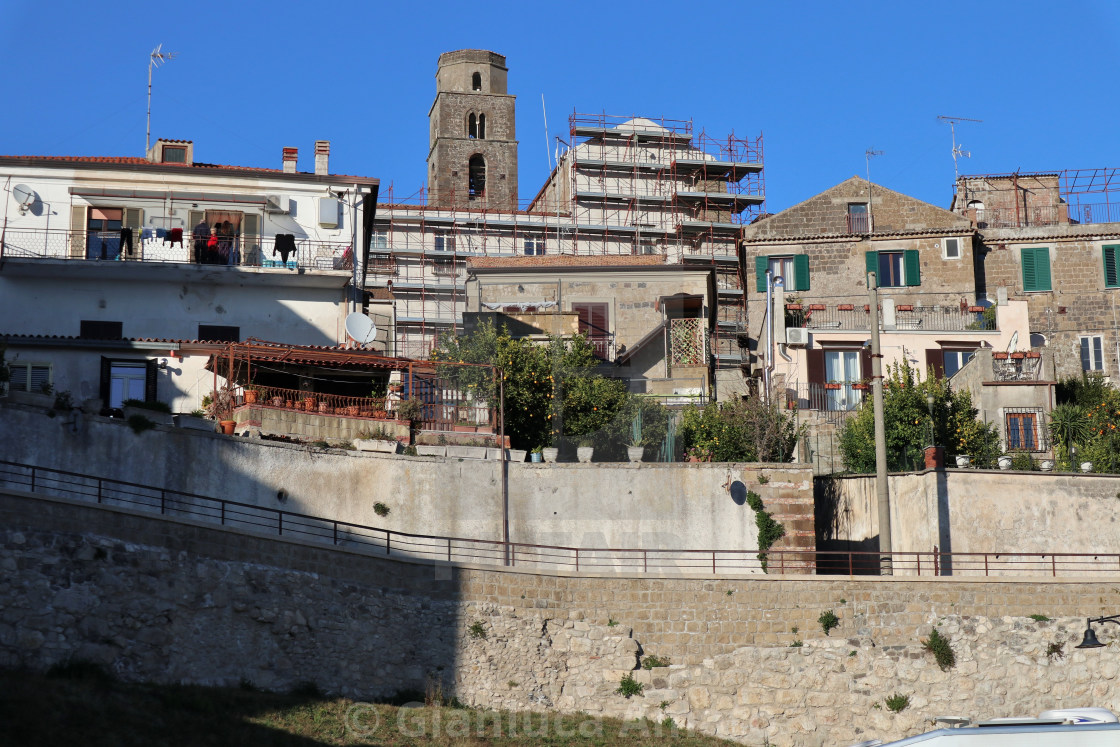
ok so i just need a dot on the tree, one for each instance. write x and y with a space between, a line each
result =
739 431
907 422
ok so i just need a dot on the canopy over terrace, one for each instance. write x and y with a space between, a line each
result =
448 392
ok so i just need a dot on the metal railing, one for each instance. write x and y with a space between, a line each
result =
150 246
949 318
1017 366
409 546
858 223
1048 215
836 401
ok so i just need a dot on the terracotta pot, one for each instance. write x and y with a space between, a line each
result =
324 408
832 386
250 397
227 426
976 309
817 307
845 307
904 307
1018 356
793 307
999 356
457 428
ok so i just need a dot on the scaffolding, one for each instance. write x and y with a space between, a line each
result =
1019 199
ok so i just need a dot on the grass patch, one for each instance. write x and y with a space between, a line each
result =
70 708
651 661
897 703
628 686
380 509
477 631
942 650
1054 651
1039 618
828 621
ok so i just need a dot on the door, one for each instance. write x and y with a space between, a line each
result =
841 370
593 324
126 381
104 231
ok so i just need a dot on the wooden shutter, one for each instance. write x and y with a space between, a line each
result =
935 359
912 268
871 264
801 271
865 364
151 388
106 374
1036 269
78 231
761 265
814 365
133 218
1030 274
1111 276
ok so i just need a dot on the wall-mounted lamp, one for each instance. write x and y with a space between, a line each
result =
1090 639
162 364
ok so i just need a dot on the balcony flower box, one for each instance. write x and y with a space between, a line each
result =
976 309
999 356
817 307
1018 356
464 428
861 387
1033 354
793 307
846 307
833 385
904 307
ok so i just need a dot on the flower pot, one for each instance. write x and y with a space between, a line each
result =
324 408
832 386
976 309
999 356
584 453
227 426
1004 462
963 460
250 397
550 453
817 307
1033 354
1047 465
793 307
904 307
1086 466
845 307
536 457
635 453
515 455
464 428
1018 356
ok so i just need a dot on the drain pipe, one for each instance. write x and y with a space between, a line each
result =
768 371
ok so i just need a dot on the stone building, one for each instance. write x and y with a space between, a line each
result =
1053 240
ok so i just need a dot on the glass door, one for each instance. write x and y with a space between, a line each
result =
841 371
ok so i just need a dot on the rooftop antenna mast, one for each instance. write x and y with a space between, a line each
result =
868 155
957 150
155 59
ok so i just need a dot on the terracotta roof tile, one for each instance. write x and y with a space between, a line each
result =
568 260
138 161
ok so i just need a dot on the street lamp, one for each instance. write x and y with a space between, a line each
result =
1090 639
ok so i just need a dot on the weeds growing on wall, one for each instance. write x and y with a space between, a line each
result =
828 621
651 661
477 631
897 703
942 650
628 686
769 531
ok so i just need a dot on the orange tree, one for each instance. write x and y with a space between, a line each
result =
1087 417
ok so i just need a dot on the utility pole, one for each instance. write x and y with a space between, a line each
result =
882 490
155 59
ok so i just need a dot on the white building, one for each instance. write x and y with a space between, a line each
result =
111 285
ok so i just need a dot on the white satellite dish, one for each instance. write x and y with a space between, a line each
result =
24 196
360 328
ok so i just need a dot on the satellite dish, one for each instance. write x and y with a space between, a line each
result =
360 328
24 195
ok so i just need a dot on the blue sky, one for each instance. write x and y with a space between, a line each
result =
823 81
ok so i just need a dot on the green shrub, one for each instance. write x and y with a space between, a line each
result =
897 702
828 621
651 661
942 650
153 405
139 424
1023 462
628 687
769 531
476 631
380 509
1039 618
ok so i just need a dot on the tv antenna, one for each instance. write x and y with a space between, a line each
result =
957 150
868 155
155 59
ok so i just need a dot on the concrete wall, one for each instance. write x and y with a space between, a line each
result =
966 511
671 506
173 601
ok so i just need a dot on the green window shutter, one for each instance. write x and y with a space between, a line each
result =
801 270
1111 270
1030 272
1042 265
871 263
1036 268
912 267
761 265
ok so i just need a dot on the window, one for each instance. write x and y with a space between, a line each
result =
476 82
174 155
1023 433
476 177
1111 254
218 332
29 377
1036 268
793 269
1092 353
126 381
103 240
955 360
534 247
443 266
841 371
472 126
952 249
857 218
444 242
895 269
481 126
96 330
380 240
593 324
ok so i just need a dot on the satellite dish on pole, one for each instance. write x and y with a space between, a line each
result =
24 196
360 328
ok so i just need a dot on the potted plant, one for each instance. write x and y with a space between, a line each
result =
999 356
699 454
1086 466
963 460
636 449
550 453
254 393
585 450
462 426
220 408
833 385
535 455
1004 461
1046 465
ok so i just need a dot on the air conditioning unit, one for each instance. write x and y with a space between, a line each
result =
276 204
797 336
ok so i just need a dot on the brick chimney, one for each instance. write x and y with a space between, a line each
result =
291 155
322 157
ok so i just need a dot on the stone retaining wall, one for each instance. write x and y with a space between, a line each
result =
176 601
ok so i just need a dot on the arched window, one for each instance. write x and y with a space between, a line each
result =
476 177
476 82
976 207
481 126
472 126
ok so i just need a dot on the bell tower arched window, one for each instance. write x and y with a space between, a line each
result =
476 82
481 126
476 177
472 126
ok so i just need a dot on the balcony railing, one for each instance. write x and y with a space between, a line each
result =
858 223
1017 366
150 246
836 401
853 316
1048 215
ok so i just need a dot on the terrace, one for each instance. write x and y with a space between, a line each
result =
939 318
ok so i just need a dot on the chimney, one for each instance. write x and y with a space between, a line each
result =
322 156
291 155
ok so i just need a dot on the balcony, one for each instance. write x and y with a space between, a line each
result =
835 401
150 247
898 317
1048 215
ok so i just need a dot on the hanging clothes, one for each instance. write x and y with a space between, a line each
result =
285 245
126 241
147 233
175 237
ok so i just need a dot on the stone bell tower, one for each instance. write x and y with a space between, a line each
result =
472 156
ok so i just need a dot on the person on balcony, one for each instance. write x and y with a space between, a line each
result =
212 247
201 236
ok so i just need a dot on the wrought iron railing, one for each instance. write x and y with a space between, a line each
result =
1048 215
835 401
408 546
1017 366
949 318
